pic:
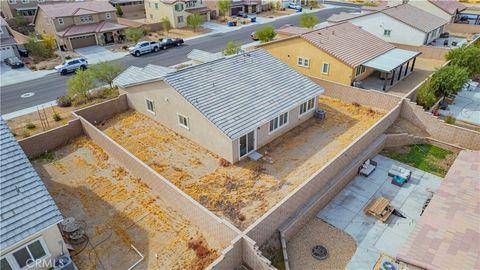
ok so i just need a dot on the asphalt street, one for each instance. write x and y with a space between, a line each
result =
50 87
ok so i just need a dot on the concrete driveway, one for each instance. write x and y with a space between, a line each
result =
373 237
96 54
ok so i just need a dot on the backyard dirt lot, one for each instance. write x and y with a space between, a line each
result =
245 191
118 211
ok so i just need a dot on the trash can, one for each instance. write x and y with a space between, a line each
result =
230 24
320 114
254 19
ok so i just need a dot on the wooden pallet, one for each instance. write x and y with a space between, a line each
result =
380 208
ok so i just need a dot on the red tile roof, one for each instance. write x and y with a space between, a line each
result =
292 30
348 43
447 235
449 6
56 10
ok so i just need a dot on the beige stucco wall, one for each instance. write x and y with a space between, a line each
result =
288 50
262 133
43 24
51 236
168 10
167 104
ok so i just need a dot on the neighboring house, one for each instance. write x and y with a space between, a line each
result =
29 216
130 8
445 9
79 24
176 11
231 106
200 57
447 236
404 24
27 8
343 53
8 45
236 6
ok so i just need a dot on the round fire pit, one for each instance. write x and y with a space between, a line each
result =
319 252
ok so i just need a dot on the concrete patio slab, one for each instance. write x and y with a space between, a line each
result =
346 211
465 107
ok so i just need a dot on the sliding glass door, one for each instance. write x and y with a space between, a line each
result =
247 143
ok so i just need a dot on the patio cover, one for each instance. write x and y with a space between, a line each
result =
391 59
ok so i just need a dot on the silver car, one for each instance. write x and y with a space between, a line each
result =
72 65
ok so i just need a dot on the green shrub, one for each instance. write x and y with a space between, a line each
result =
232 47
64 101
450 120
56 117
448 80
467 57
426 96
266 33
30 126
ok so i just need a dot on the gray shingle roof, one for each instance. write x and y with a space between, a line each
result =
135 75
242 92
26 205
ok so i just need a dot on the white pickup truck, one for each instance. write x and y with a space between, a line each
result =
144 47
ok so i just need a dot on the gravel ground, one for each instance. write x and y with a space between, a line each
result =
341 246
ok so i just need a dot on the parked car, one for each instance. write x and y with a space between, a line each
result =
294 6
72 65
144 47
444 35
170 42
242 14
253 35
14 62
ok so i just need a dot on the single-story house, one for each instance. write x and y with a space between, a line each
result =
29 216
447 236
445 9
200 57
231 106
345 54
403 24
8 44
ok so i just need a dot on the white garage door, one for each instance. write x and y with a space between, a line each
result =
6 52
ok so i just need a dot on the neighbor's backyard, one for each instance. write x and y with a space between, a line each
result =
426 157
118 211
243 192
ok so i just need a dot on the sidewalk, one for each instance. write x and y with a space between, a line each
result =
12 76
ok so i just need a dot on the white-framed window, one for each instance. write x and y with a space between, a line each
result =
60 21
178 7
180 19
183 121
387 32
307 106
156 5
359 70
108 15
86 18
150 105
278 122
25 1
303 62
325 68
247 143
12 2
19 258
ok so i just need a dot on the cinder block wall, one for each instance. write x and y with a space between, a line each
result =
219 231
263 228
105 110
460 28
231 256
40 143
438 129
437 53
375 99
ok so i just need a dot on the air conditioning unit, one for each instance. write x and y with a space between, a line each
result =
64 262
388 264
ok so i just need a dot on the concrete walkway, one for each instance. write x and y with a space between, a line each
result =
346 211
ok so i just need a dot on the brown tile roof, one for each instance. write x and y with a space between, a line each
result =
56 10
348 43
415 17
290 30
100 27
447 235
449 6
407 14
